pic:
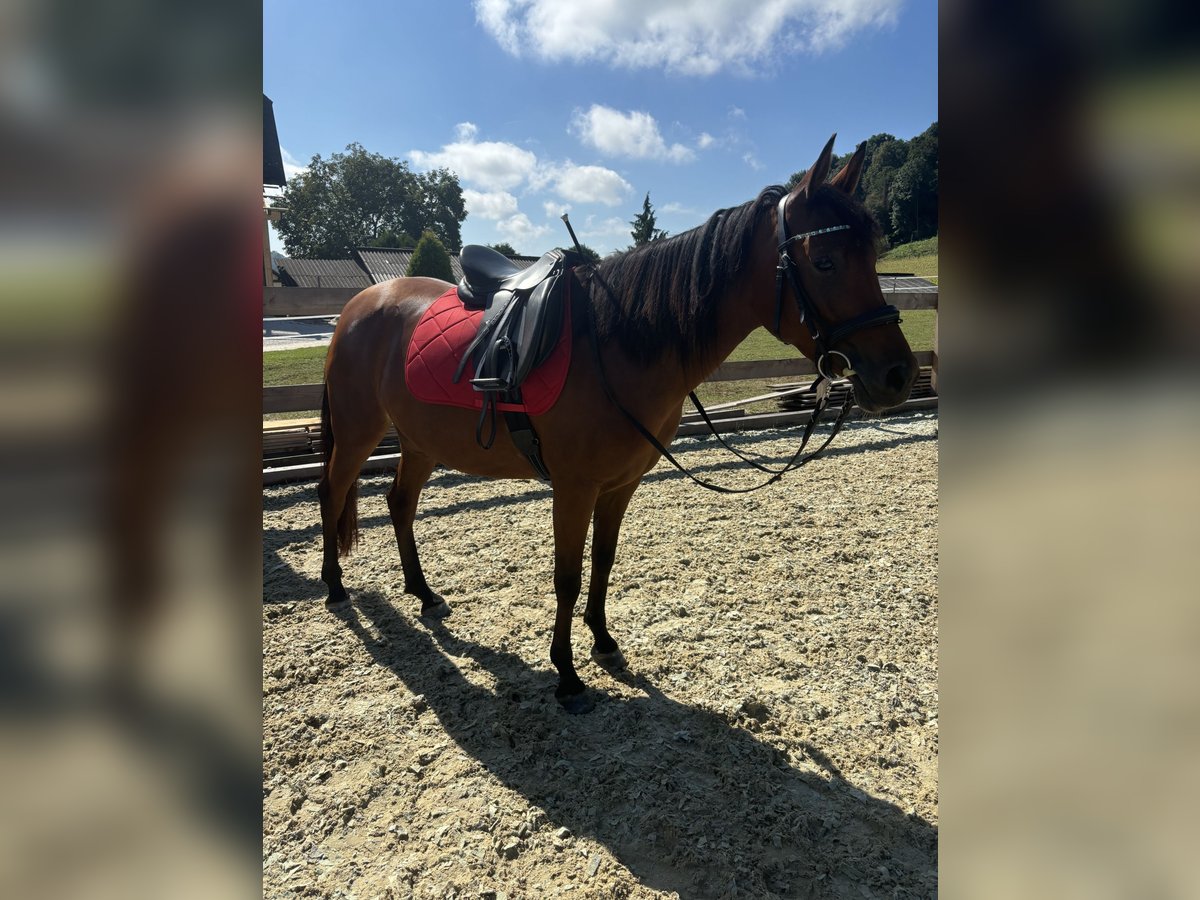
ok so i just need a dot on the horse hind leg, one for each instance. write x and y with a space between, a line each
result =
412 473
338 489
610 511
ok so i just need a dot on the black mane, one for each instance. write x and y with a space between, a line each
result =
658 297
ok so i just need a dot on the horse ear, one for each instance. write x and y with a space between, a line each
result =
818 172
847 179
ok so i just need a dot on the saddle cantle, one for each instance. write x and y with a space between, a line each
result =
523 310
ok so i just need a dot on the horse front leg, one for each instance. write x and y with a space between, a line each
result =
572 510
610 511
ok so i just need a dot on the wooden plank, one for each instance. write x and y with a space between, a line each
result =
912 299
295 301
934 362
727 411
781 419
386 462
291 397
285 424
297 397
312 471
762 368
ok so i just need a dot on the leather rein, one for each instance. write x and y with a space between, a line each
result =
823 337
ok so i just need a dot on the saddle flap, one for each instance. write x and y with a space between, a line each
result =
540 321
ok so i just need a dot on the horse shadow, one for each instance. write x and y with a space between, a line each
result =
686 800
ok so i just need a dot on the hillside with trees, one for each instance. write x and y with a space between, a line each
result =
899 184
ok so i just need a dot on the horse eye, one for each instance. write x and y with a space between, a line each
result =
823 263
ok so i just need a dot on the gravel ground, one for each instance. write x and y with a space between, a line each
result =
776 735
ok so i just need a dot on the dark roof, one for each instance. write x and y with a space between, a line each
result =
272 157
383 263
386 263
339 273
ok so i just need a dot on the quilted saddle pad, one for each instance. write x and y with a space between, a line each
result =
439 342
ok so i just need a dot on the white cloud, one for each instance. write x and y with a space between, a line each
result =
693 37
522 233
605 235
491 165
291 165
585 184
736 112
706 140
555 210
611 227
633 134
752 161
466 131
493 205
678 209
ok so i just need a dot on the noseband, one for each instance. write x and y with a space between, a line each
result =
824 338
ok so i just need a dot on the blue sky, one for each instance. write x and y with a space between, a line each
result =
546 105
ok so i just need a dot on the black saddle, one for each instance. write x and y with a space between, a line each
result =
522 321
522 318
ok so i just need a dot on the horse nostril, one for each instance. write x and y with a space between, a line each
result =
897 377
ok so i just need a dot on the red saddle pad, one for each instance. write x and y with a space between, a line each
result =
437 346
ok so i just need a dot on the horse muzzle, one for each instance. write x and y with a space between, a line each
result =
880 388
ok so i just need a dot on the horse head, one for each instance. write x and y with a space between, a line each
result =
828 302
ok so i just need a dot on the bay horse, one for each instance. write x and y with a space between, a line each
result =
666 314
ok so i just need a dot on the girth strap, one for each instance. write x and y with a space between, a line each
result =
520 429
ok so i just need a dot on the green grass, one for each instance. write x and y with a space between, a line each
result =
303 366
919 258
927 247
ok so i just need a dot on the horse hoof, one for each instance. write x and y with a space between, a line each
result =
337 604
612 663
578 704
439 610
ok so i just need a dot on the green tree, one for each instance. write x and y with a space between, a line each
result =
430 259
643 225
505 248
885 155
913 205
589 254
898 184
354 198
390 240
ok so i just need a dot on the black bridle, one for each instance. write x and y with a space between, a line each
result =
823 337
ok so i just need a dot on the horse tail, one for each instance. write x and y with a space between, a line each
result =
347 524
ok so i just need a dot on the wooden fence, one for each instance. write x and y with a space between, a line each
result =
330 301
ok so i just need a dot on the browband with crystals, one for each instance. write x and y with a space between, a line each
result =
808 234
